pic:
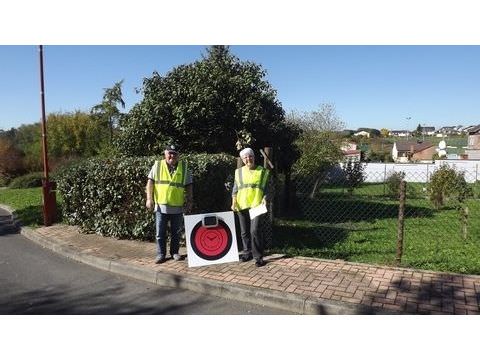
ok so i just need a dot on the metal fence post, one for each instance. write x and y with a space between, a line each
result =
401 222
384 180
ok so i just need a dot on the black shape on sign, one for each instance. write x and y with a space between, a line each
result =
211 243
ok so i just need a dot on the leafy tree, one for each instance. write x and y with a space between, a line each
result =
76 134
448 184
215 104
323 119
107 111
384 132
393 183
11 163
319 143
418 131
354 174
28 139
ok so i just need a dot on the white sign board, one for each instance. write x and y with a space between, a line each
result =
211 238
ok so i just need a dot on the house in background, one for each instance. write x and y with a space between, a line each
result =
472 152
449 130
350 151
400 133
362 133
427 130
408 151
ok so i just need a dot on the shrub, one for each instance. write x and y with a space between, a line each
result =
27 181
107 196
393 183
448 184
4 181
354 172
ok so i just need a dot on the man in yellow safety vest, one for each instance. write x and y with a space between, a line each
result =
167 183
249 191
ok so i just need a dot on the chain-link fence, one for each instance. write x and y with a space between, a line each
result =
356 217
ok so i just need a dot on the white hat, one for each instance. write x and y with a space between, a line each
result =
246 151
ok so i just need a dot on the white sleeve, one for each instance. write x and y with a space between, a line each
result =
153 171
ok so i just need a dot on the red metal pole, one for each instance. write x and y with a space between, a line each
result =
44 122
48 187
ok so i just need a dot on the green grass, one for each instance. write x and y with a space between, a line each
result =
363 228
27 204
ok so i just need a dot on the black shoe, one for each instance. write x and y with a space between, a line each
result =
260 263
160 260
245 258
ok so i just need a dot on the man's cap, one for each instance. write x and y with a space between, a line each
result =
172 148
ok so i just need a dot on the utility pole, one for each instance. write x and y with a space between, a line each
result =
408 124
48 187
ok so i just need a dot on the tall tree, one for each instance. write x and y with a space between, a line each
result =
75 134
215 104
319 144
325 118
107 111
11 163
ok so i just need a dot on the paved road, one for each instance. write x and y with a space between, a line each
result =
36 281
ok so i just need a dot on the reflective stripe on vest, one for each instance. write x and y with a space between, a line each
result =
169 189
251 186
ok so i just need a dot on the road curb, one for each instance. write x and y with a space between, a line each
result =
296 303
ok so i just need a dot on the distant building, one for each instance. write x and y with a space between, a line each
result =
362 133
449 130
466 129
400 133
407 151
427 130
472 152
351 152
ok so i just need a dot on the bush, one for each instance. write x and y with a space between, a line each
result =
354 172
27 181
4 181
393 183
447 184
107 196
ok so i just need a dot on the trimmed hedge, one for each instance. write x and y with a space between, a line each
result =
27 181
107 196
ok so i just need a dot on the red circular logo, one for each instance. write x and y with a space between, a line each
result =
211 243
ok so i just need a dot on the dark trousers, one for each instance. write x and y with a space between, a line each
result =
251 238
161 221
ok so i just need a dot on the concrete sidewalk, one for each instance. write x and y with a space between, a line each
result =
301 285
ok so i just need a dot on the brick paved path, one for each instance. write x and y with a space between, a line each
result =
384 288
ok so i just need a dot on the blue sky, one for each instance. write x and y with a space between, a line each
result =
371 86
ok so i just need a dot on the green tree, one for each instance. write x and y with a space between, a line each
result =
324 119
418 131
75 134
107 111
215 104
384 132
354 174
319 143
11 163
28 139
446 184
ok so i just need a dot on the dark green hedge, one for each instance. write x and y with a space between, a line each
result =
108 196
27 181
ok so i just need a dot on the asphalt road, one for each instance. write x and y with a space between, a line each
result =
37 281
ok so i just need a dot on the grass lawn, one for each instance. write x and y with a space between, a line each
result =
363 228
27 204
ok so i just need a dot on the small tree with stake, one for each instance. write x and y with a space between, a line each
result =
354 174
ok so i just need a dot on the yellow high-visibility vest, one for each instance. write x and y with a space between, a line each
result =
169 189
251 186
